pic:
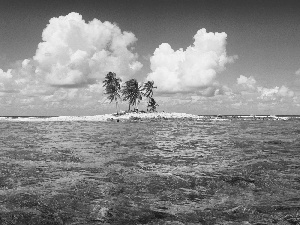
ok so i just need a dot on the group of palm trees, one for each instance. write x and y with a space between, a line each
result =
131 91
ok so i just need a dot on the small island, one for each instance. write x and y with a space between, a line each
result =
150 116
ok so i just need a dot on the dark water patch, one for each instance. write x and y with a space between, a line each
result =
275 142
237 180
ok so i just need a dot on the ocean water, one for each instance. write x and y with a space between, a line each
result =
150 172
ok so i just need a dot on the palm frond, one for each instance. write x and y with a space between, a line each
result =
112 86
131 92
147 89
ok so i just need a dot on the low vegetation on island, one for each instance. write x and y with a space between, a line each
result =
130 91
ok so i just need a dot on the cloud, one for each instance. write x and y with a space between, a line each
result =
256 98
297 72
249 85
214 90
5 75
12 81
246 83
75 53
5 79
193 69
22 79
273 93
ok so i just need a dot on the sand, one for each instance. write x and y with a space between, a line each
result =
144 116
110 117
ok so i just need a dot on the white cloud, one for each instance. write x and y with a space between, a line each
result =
297 72
5 75
285 92
249 85
214 90
273 93
246 83
192 69
75 53
6 85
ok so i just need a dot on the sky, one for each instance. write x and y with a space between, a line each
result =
204 56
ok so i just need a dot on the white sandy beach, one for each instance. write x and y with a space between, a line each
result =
142 116
109 117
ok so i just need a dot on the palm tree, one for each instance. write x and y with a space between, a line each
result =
112 86
148 89
132 92
152 105
148 93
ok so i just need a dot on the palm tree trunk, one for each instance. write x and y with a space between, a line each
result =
117 107
129 108
148 104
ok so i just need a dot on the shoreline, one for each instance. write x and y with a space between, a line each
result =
108 117
138 116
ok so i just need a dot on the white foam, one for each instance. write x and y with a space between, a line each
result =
105 117
127 116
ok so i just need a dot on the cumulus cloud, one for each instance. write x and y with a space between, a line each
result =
193 69
75 53
5 78
22 79
5 75
273 93
246 83
249 85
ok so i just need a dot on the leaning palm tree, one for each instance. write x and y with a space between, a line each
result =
132 92
148 89
112 86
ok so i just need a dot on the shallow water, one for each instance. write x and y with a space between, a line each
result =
156 172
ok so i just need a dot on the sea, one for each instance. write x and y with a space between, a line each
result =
167 171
